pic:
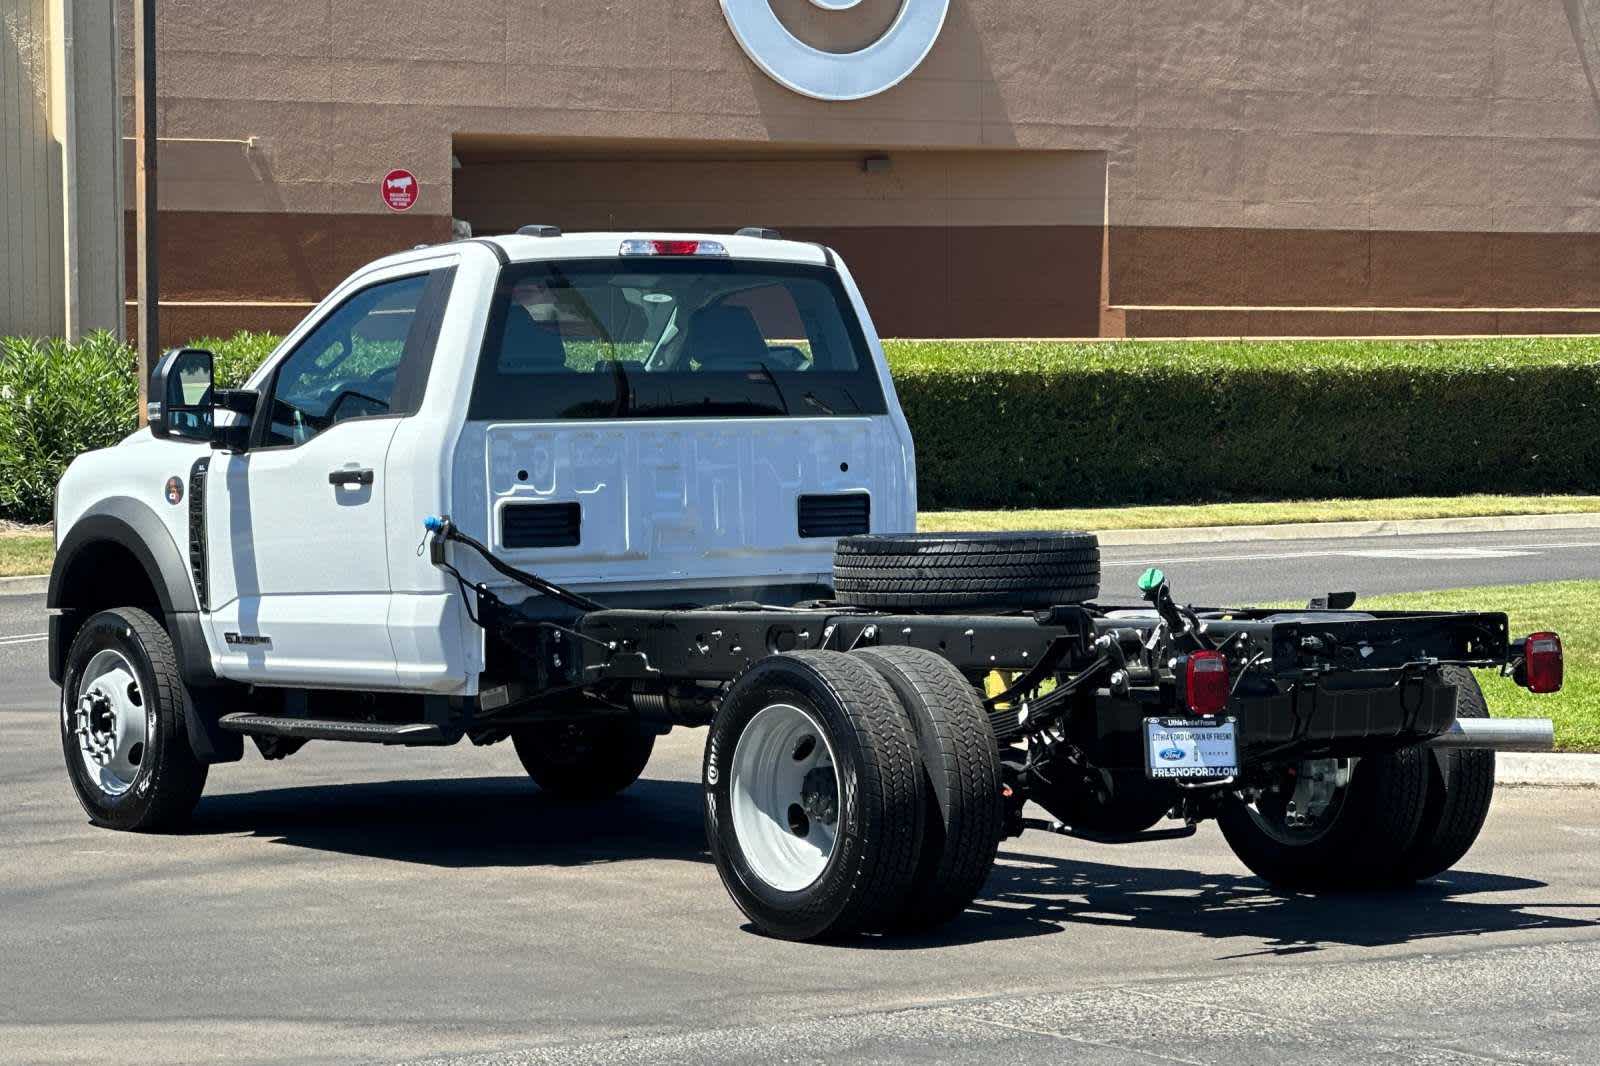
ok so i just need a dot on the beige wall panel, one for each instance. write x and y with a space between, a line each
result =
1524 119
410 83
295 141
466 31
1287 46
242 76
589 88
605 33
1435 116
1305 168
1308 112
1196 165
1537 56
1541 220
1191 44
1549 171
1161 108
249 27
1434 47
1434 170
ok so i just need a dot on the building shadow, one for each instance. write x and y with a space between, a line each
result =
468 822
1031 895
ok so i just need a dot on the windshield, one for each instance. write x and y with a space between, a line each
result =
672 338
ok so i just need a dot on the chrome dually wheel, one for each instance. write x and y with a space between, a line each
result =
111 721
124 723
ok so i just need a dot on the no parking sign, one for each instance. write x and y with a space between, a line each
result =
399 190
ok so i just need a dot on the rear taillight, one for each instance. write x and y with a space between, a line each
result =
1541 654
640 246
1204 675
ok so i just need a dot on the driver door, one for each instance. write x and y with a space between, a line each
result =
295 526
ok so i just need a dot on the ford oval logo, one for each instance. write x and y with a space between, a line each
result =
1171 754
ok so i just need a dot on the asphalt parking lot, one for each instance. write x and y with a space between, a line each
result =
359 905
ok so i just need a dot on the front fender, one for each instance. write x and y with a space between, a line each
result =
135 528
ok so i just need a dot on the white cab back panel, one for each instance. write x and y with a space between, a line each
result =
683 501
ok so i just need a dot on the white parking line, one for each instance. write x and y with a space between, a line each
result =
1519 549
27 639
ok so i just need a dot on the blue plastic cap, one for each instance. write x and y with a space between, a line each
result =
433 523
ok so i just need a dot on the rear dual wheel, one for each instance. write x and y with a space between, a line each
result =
851 793
1389 820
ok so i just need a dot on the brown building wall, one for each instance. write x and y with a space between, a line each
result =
1411 164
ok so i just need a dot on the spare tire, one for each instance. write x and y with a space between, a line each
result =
955 571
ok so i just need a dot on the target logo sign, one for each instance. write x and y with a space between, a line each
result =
792 63
399 190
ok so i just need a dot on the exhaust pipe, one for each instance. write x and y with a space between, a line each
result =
1499 734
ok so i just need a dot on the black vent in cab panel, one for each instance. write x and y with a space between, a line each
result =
540 525
841 515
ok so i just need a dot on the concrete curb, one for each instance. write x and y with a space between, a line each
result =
1547 771
1341 530
24 586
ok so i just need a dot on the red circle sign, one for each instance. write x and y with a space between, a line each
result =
399 190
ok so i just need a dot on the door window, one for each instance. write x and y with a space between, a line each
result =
350 364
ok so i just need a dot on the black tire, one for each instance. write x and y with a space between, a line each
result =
586 761
1364 842
868 873
1460 789
962 779
954 571
166 779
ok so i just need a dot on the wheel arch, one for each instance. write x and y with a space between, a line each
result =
120 554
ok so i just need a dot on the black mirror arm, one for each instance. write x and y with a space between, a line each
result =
239 401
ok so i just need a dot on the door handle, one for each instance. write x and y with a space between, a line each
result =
350 476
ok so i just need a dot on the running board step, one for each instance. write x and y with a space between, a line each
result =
277 725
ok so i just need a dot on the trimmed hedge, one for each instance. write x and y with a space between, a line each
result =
1054 424
1058 424
56 400
59 399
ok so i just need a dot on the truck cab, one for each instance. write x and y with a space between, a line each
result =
663 419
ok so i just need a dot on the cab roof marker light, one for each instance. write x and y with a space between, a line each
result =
643 246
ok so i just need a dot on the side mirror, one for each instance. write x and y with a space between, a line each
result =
184 401
181 398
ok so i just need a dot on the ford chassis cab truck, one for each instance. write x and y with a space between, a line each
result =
575 491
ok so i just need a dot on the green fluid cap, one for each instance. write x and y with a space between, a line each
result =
1151 579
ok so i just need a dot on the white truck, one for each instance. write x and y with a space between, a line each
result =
576 490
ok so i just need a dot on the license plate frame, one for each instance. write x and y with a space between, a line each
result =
1191 749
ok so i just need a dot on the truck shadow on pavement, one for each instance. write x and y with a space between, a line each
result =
1030 895
468 822
507 821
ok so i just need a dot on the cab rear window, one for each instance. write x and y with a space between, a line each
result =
672 338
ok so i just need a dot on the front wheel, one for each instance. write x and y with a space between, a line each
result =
584 761
123 729
813 796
